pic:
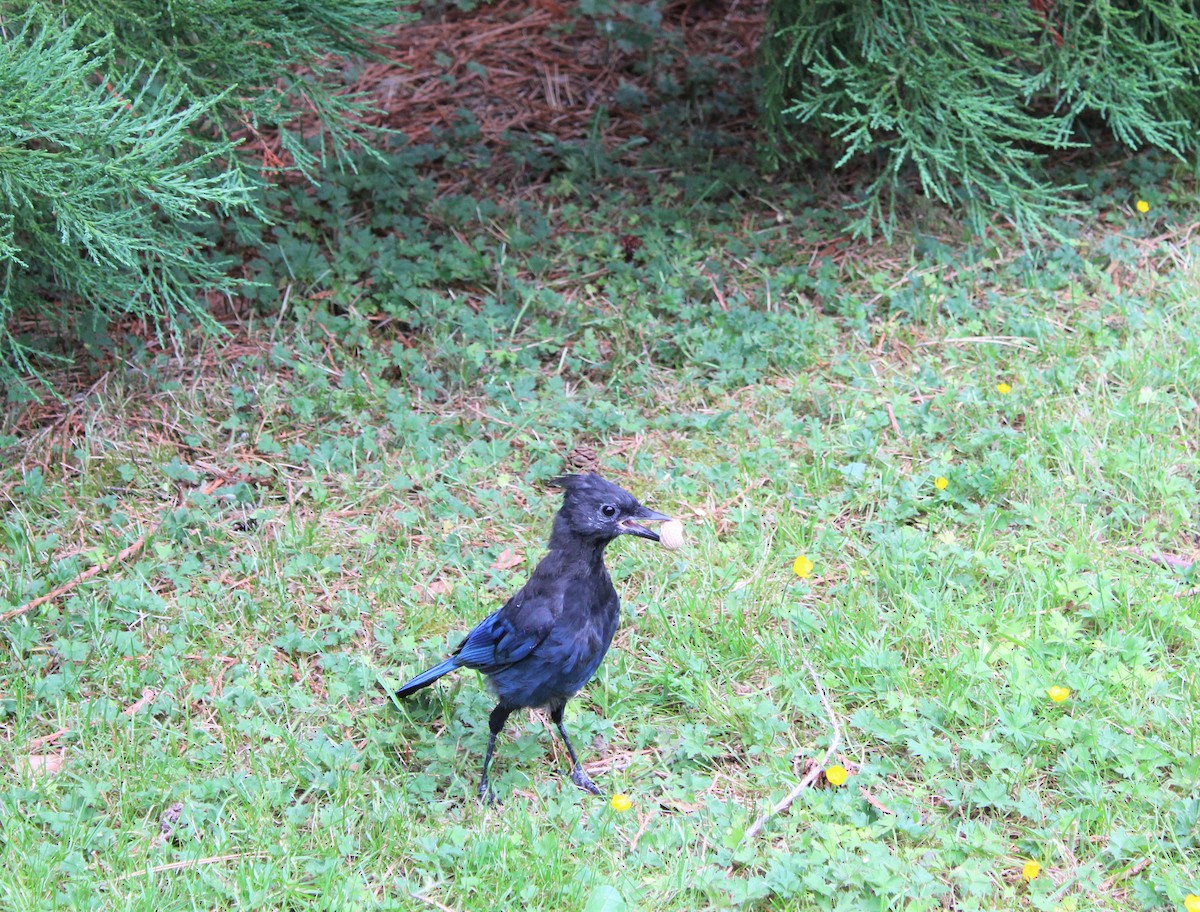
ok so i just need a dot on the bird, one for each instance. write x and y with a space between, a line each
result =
545 643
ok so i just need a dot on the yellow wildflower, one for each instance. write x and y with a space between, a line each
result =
1144 207
836 774
1191 902
802 567
621 802
1030 870
1058 693
1003 389
941 483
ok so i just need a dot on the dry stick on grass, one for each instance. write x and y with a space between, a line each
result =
1132 870
147 697
643 822
181 865
892 417
87 574
45 739
875 802
71 584
432 902
1011 341
816 771
1163 560
1167 560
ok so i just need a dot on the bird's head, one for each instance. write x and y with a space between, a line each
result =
598 510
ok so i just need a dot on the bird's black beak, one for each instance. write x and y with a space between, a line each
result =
632 525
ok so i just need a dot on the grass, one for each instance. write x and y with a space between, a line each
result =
327 497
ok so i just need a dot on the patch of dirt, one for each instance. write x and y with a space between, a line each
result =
540 69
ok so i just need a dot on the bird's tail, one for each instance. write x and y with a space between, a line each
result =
425 678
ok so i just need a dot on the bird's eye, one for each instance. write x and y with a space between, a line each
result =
608 510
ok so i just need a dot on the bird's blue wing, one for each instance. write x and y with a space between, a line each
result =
497 642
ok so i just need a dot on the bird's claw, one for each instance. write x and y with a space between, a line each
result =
580 778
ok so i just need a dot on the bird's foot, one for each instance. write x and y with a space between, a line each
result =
486 796
580 778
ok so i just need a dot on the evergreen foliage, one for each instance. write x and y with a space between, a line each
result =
973 97
281 59
116 154
100 190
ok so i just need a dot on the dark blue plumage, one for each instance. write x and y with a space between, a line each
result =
547 641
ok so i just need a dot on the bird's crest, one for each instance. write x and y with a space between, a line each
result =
593 485
575 482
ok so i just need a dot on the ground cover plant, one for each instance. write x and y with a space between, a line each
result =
958 478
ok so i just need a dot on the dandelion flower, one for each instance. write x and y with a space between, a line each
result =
621 802
1003 389
1191 902
1030 870
941 483
1144 207
802 567
1058 693
836 774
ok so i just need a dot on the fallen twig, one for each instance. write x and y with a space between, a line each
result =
892 417
1163 560
194 863
432 902
45 739
717 291
72 583
148 695
1106 885
643 822
875 802
808 780
87 574
1010 341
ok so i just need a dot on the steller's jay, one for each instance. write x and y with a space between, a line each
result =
547 641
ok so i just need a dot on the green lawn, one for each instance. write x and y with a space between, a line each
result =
328 495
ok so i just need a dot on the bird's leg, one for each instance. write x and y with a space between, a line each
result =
495 725
578 776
